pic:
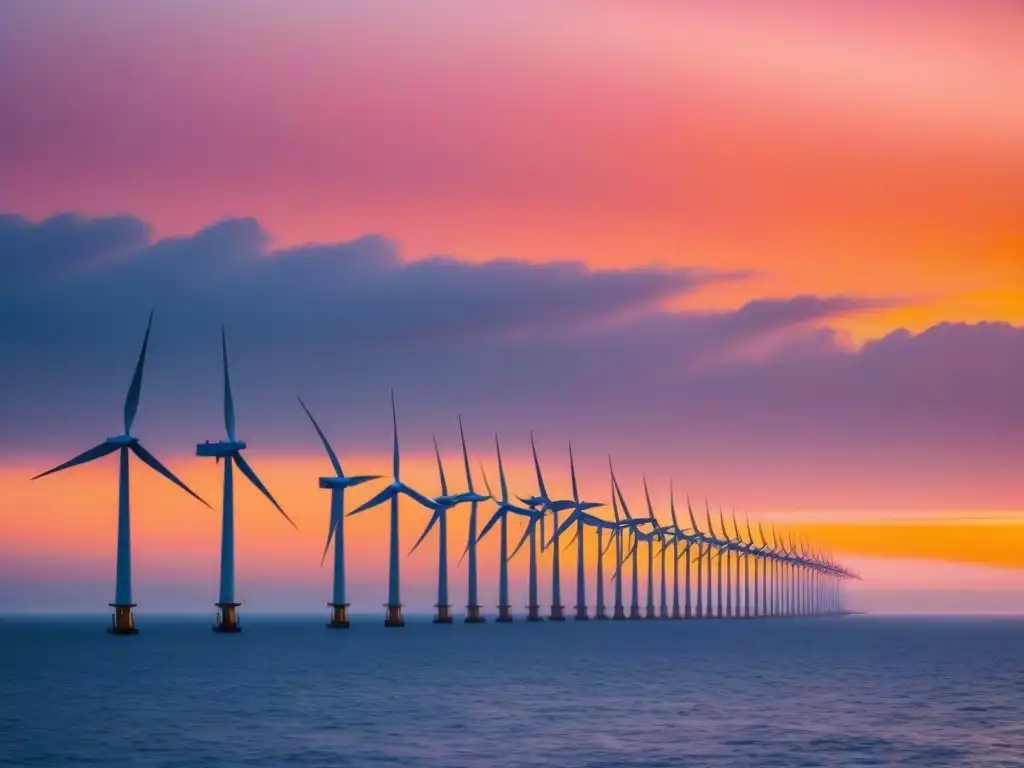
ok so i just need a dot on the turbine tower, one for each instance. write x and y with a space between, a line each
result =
123 622
336 529
501 515
618 613
473 614
230 451
703 544
530 534
633 523
393 616
444 503
656 533
579 514
544 504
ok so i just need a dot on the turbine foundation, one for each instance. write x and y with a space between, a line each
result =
533 613
581 613
649 613
227 619
473 615
557 613
634 612
444 615
601 614
339 616
393 616
675 612
619 614
663 612
504 613
123 620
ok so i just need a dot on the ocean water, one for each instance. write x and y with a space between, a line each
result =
848 691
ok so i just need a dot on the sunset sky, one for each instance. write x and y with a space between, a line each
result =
772 251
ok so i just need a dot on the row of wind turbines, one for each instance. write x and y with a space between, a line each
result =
788 579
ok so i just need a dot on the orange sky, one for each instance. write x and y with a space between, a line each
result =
855 148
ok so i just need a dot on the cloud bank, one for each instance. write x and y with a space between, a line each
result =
761 396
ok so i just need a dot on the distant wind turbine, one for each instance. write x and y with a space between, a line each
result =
473 614
124 619
580 517
443 503
505 507
230 451
336 529
396 488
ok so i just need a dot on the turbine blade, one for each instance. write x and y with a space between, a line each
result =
154 464
611 540
418 497
572 471
131 400
575 533
323 438
229 402
693 520
487 485
440 468
501 471
243 465
490 524
536 466
465 458
433 519
672 504
526 535
543 535
83 458
615 503
379 498
394 424
335 521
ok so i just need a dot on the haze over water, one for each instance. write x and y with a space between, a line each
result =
818 692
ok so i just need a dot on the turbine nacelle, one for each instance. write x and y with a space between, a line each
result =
220 449
121 441
342 483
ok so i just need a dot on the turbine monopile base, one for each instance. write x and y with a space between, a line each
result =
123 622
557 613
504 614
339 616
634 613
601 614
444 614
675 612
227 619
618 614
473 615
393 617
581 613
533 613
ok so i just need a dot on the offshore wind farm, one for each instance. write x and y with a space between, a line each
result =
796 580
587 384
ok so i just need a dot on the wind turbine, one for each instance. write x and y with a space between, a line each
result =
659 533
633 524
124 620
618 613
336 530
230 451
505 507
473 614
393 617
544 504
444 503
729 545
578 516
719 545
530 534
676 533
702 543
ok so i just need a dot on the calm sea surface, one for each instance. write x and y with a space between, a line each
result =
289 692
